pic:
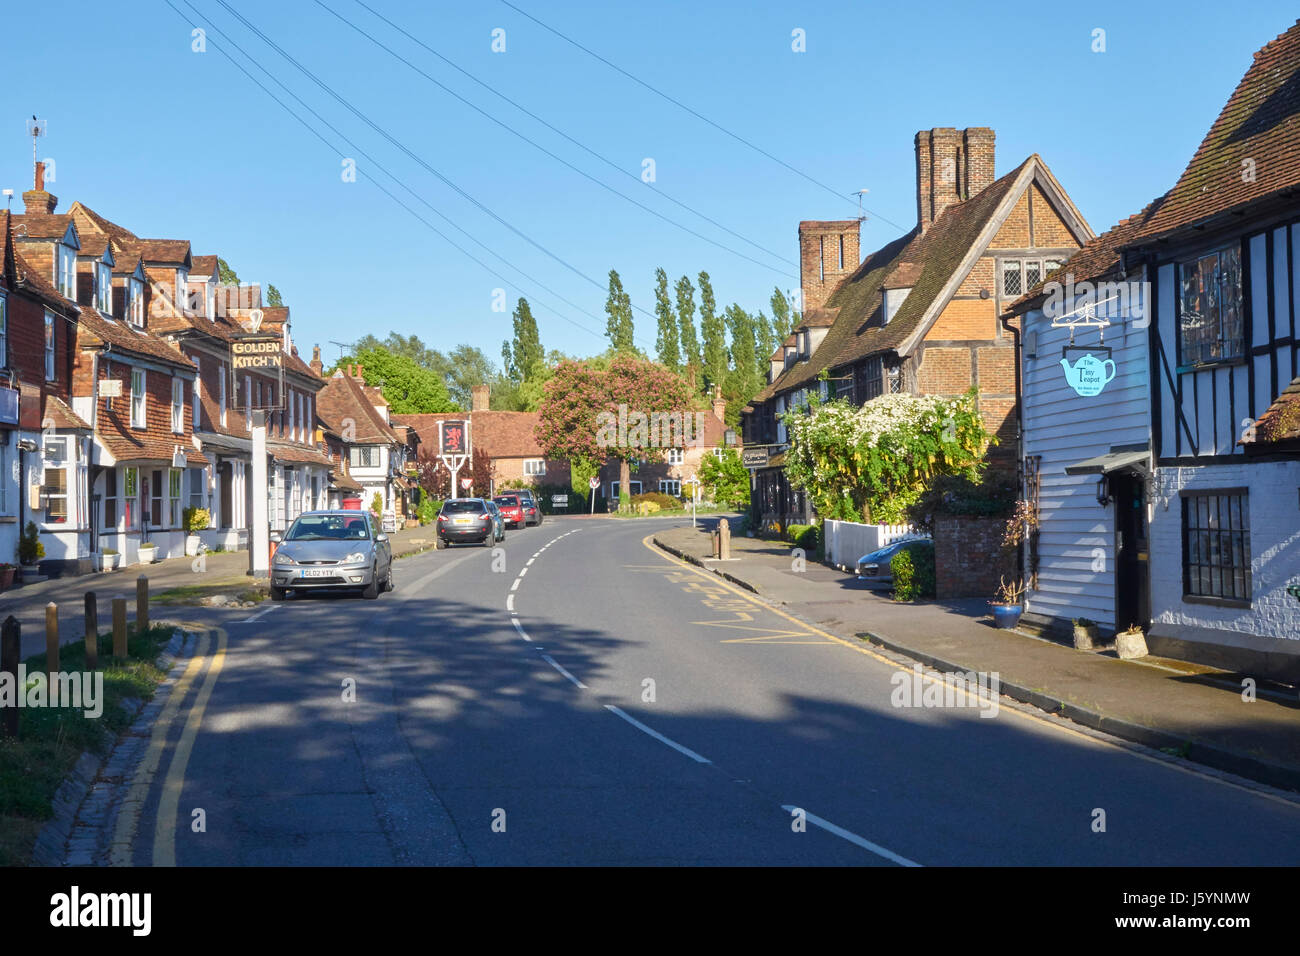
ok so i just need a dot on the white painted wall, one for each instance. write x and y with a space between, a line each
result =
846 541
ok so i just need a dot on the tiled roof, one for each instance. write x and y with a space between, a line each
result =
498 434
1282 420
56 410
39 225
34 281
1252 151
342 399
89 220
124 338
282 451
129 445
203 265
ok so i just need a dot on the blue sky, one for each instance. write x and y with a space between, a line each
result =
177 144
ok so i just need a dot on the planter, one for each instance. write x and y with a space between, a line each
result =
1007 616
1085 637
7 578
108 562
147 554
1130 645
192 542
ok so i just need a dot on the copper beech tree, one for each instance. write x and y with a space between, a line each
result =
633 410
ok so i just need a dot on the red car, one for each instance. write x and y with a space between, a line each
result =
512 510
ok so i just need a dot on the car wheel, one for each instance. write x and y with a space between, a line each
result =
371 590
442 543
388 578
278 594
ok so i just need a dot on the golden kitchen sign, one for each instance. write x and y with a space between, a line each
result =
256 353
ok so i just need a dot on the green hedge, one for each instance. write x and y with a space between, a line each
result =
804 536
913 571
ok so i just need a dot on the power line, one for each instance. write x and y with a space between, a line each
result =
698 115
559 132
489 269
384 133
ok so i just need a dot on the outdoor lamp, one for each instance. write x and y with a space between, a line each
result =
1103 491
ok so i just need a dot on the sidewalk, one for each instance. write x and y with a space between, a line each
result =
1195 710
225 571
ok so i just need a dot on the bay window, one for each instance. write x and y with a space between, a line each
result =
55 459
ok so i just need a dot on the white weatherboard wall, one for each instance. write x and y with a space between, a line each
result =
846 541
1076 534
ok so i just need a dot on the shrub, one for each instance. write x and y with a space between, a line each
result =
803 536
30 549
658 498
377 504
196 519
913 571
428 508
647 507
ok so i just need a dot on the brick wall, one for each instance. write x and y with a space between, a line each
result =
969 558
944 371
981 276
1014 233
819 258
1049 228
158 405
965 319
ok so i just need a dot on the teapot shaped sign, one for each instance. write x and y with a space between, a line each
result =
1089 374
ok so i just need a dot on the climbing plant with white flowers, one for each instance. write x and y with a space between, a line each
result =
871 463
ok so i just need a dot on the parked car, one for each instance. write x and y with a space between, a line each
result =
466 520
874 568
331 549
498 520
532 510
512 509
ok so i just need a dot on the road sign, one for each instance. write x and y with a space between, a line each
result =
756 457
593 483
560 501
467 483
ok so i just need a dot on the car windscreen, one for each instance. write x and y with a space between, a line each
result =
507 501
463 508
328 528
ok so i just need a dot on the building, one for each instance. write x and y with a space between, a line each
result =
378 456
921 314
672 475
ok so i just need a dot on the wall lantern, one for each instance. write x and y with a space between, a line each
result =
1103 490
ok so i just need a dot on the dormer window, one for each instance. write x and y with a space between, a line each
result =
135 302
66 268
104 288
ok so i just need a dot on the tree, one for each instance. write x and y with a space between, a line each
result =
589 415
408 388
726 478
526 353
690 342
435 478
875 462
784 321
225 274
714 332
666 345
273 298
618 307
742 381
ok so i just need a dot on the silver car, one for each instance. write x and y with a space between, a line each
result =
332 549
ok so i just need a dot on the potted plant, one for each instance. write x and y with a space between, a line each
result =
7 572
108 559
147 552
195 520
1085 634
1131 643
30 549
1008 604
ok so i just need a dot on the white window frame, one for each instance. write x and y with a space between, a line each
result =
66 271
535 467
178 405
221 393
675 456
175 495
65 465
115 498
670 486
195 401
139 400
135 306
49 345
104 288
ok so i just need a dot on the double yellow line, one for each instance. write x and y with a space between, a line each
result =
131 810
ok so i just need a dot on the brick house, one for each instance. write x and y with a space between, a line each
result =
515 458
379 447
920 314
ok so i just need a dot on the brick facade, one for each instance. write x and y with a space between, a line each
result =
969 560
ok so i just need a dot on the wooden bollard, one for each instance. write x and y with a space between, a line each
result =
10 650
51 638
724 539
119 627
141 604
92 632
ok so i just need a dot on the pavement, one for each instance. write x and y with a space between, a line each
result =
1165 704
224 571
577 696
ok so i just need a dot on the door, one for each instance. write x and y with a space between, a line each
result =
1132 582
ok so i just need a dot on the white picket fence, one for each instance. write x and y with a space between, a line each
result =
846 541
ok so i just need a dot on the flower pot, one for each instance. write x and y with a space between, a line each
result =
191 545
147 554
108 562
1085 637
1007 616
7 578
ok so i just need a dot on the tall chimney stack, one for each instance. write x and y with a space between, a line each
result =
480 398
951 167
317 366
37 200
828 251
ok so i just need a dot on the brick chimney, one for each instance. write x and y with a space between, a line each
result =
828 251
358 375
719 405
317 365
37 200
951 166
480 398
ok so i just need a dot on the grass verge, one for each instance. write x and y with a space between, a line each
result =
50 739
191 594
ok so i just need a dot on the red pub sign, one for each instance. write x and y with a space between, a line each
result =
454 438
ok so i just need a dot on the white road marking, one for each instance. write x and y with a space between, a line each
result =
658 736
530 560
550 660
260 614
510 603
851 837
520 628
515 586
523 571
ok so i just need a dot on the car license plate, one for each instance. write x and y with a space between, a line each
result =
462 521
316 573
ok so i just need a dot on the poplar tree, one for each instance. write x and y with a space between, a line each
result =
618 307
667 343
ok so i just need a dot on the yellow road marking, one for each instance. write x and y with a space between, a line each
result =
128 816
1025 715
164 834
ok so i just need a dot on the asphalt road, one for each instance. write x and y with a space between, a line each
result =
579 698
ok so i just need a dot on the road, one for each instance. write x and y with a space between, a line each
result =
578 697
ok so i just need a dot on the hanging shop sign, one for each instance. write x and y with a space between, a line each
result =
1089 374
